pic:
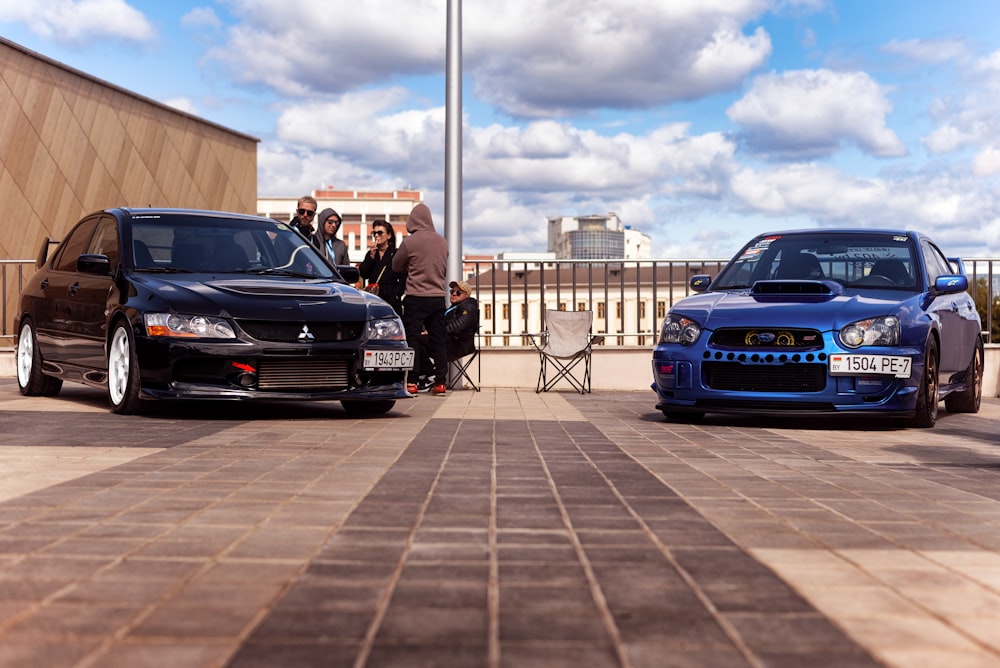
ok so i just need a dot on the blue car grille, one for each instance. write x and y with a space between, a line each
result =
299 332
736 377
767 338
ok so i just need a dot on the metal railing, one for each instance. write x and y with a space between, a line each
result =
628 297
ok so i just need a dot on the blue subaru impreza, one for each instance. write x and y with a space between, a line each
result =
865 322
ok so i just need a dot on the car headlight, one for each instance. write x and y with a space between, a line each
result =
188 326
678 329
883 331
386 329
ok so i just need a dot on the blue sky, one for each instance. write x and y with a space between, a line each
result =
700 122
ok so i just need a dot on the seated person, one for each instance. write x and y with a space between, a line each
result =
461 323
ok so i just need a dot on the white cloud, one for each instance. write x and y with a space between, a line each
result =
812 113
201 17
79 21
928 50
987 161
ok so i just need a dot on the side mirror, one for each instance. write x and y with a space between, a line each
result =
350 273
951 284
93 264
700 282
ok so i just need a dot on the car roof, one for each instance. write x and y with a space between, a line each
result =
843 230
153 211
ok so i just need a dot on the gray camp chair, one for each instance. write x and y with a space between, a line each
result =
565 346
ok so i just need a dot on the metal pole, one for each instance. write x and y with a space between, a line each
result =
453 143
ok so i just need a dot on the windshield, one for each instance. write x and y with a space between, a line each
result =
864 260
206 244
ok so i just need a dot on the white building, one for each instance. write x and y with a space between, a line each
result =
596 238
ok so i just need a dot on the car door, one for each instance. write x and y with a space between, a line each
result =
89 304
955 314
54 324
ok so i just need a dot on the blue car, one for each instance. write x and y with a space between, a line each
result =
807 322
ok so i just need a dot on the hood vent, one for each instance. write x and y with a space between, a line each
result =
823 288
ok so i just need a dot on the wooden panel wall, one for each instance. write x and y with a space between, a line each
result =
71 144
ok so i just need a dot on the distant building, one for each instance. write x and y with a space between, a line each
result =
357 210
596 238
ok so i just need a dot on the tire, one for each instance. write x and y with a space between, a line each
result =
969 399
123 372
30 379
927 395
360 408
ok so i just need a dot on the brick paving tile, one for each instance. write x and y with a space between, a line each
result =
500 528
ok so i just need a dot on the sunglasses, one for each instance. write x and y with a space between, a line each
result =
457 292
332 221
377 233
306 212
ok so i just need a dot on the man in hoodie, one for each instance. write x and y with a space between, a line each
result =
325 238
423 257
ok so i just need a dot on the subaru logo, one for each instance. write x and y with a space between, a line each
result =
766 337
305 336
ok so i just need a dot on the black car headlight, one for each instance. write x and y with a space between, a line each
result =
188 326
882 331
678 329
386 329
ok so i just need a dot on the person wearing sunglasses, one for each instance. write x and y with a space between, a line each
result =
325 238
305 214
461 324
376 268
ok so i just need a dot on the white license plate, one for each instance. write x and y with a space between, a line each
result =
389 360
880 365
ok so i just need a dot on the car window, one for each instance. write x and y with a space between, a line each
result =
937 264
73 246
862 260
105 240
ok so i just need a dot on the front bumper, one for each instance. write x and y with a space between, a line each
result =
699 379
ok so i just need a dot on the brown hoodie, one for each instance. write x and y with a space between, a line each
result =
423 256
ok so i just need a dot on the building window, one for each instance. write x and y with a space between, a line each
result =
600 310
488 311
562 306
581 306
618 310
642 309
506 311
661 309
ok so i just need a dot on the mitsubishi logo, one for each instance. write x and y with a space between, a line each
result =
305 336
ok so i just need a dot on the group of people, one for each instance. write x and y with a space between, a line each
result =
410 278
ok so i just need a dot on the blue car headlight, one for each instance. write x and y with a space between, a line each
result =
678 329
386 329
882 331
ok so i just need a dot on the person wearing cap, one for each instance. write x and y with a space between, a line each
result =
461 321
325 238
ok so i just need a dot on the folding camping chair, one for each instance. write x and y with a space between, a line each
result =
458 369
565 345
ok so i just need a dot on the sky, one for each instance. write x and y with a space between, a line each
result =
699 122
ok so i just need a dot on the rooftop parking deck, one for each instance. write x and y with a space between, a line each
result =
498 528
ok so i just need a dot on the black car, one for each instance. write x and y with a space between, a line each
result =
186 304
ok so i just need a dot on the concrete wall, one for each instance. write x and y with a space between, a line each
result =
624 369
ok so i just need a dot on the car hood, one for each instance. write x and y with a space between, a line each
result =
827 310
271 298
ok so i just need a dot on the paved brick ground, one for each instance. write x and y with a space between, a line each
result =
500 528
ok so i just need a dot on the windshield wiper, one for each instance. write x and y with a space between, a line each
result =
165 270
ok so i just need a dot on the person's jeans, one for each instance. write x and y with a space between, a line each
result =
427 313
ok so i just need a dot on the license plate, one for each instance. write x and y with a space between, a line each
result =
389 360
880 365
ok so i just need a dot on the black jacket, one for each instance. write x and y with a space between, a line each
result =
462 324
391 284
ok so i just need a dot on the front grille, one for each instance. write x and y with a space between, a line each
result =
764 377
299 332
773 338
303 374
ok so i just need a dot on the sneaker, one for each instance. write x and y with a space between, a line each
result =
423 385
412 388
439 389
